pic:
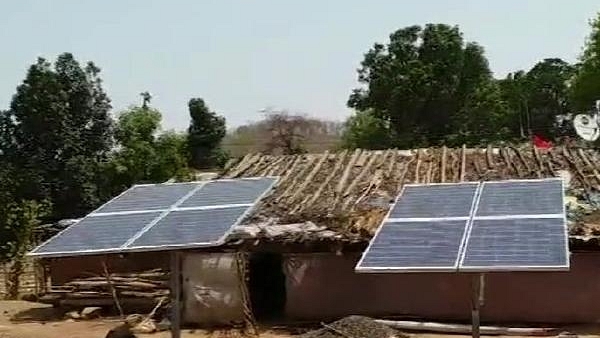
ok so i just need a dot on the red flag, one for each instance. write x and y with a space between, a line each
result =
540 142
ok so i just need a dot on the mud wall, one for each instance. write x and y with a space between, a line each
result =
326 286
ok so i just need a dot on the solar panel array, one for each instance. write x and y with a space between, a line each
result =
159 217
490 226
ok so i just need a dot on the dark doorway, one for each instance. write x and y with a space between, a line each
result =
267 286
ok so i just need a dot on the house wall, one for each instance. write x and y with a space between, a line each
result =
211 289
65 269
326 286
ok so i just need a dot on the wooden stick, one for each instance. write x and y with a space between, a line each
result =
342 183
443 169
463 162
338 165
540 164
112 288
589 164
153 312
175 295
489 156
309 178
362 174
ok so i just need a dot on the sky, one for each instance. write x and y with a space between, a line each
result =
244 56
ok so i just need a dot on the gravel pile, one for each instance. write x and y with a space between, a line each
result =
354 327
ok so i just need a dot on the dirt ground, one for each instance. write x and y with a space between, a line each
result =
19 319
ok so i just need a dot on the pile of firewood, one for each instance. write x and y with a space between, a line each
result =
152 284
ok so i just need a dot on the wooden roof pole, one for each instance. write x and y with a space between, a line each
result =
175 294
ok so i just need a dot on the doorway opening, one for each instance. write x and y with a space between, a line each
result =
267 286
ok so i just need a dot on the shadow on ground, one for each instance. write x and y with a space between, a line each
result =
38 314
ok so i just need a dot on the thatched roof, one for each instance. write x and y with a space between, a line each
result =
349 191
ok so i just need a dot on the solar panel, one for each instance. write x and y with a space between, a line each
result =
190 228
148 197
228 192
96 234
516 244
492 226
151 217
414 246
435 201
523 197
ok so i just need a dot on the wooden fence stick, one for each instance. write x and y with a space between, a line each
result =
112 288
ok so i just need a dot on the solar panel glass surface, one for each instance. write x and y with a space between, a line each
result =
516 244
148 197
96 234
414 246
435 201
239 191
527 197
190 227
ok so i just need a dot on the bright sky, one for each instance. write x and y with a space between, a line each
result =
242 56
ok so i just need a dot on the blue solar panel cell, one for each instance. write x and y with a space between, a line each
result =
435 201
528 197
414 246
96 234
190 228
148 197
146 217
514 244
239 191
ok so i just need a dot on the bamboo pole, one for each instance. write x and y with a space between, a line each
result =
175 295
476 303
113 290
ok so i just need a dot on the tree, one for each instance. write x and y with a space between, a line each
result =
424 82
548 96
274 134
143 154
286 133
514 89
366 131
538 99
18 220
585 89
56 133
205 133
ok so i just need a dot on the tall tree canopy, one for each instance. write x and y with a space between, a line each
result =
205 133
585 87
144 155
539 98
364 130
55 134
427 82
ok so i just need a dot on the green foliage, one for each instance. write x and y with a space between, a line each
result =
537 99
18 218
425 82
55 134
18 221
585 89
433 88
137 125
143 155
205 133
365 130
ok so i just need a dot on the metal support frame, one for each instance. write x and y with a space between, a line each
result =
477 301
175 294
